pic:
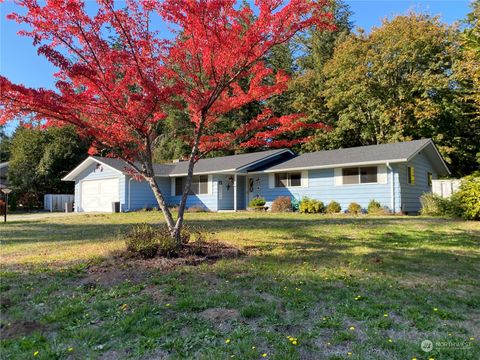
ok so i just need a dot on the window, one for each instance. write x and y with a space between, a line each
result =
199 185
368 175
350 176
288 179
429 179
411 175
362 175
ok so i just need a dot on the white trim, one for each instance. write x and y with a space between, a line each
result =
430 142
199 173
392 187
235 193
71 175
210 185
331 166
304 178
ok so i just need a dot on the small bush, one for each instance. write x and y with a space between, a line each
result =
166 245
432 204
142 240
198 240
311 206
374 207
282 204
257 203
333 208
354 208
468 198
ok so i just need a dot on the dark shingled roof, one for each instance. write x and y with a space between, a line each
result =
401 151
217 164
359 154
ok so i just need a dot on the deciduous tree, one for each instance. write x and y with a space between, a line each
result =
118 91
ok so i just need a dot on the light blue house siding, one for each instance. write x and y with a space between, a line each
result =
410 193
321 186
139 195
93 173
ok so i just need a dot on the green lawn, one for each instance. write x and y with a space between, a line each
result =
308 287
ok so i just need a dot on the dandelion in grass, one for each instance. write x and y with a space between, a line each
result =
70 349
349 354
471 339
351 328
264 355
253 347
167 305
385 315
227 341
435 309
35 353
390 340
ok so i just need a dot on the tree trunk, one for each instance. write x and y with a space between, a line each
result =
191 163
161 202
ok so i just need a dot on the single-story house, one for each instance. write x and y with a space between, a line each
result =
395 174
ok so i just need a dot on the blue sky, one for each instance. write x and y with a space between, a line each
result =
19 61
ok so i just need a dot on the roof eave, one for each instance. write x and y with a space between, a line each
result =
331 166
82 166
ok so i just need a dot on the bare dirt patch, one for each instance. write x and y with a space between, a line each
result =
221 318
20 328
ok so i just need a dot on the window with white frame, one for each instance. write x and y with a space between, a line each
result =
292 179
199 185
360 175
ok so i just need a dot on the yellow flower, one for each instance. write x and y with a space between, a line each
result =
414 358
253 347
167 305
431 359
385 315
264 355
435 309
352 328
471 339
294 342
349 354
70 349
227 341
35 353
390 340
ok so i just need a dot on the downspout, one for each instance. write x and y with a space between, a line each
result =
392 188
129 192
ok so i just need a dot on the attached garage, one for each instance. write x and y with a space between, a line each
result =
98 184
98 195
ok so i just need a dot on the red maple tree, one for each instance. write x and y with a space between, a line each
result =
117 76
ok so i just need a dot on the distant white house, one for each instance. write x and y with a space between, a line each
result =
3 174
396 175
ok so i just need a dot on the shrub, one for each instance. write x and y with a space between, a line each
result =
354 208
166 245
257 203
468 198
142 240
282 204
434 205
333 208
311 206
374 207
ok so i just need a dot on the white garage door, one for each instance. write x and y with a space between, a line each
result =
98 195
